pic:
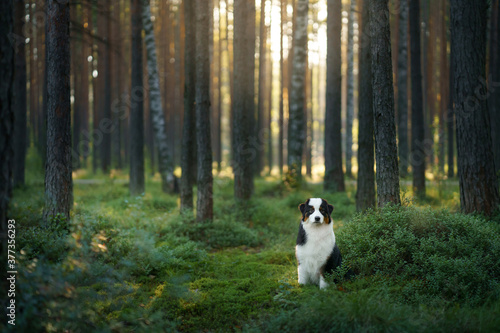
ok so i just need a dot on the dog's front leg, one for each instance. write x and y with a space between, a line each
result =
322 283
302 276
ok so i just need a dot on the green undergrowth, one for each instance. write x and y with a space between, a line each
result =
126 264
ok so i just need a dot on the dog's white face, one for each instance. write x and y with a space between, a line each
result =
316 211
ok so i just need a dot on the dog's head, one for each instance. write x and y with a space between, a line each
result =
316 210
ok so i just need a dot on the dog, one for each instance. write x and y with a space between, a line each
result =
316 250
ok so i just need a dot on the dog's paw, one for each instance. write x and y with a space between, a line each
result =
322 284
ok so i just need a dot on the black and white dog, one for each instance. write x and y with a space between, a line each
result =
317 252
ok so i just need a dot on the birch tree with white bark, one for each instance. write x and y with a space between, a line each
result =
165 161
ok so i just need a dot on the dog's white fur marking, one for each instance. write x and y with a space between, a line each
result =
312 255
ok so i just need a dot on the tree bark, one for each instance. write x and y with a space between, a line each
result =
58 179
334 174
383 106
494 86
443 85
165 161
136 125
450 118
106 123
19 100
259 161
76 69
350 89
282 82
402 91
476 166
365 195
6 120
296 138
244 68
188 157
418 142
204 207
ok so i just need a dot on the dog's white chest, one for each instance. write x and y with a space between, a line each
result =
312 255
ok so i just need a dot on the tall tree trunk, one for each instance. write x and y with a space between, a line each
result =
117 78
58 180
450 117
259 161
269 135
204 207
282 82
443 85
350 89
76 69
244 67
188 157
402 91
218 119
136 184
365 195
85 84
428 94
476 166
6 121
493 79
418 142
383 106
106 96
19 100
296 137
334 174
165 161
96 89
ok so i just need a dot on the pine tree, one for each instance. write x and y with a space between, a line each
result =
188 154
19 101
137 103
244 49
418 146
402 91
58 178
204 207
334 174
383 106
476 167
365 195
296 137
165 161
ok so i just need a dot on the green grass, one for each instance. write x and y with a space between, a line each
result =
135 264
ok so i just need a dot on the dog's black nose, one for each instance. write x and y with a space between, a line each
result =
317 218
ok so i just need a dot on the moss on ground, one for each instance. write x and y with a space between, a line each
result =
135 264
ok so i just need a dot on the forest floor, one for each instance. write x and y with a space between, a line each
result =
135 264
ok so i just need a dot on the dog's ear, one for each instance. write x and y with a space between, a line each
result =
302 208
330 209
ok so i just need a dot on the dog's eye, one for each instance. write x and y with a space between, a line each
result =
310 211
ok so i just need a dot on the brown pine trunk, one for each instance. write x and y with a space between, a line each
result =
19 100
494 78
136 184
204 207
188 155
476 167
58 180
334 174
282 82
6 117
365 195
418 141
383 106
259 160
244 68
